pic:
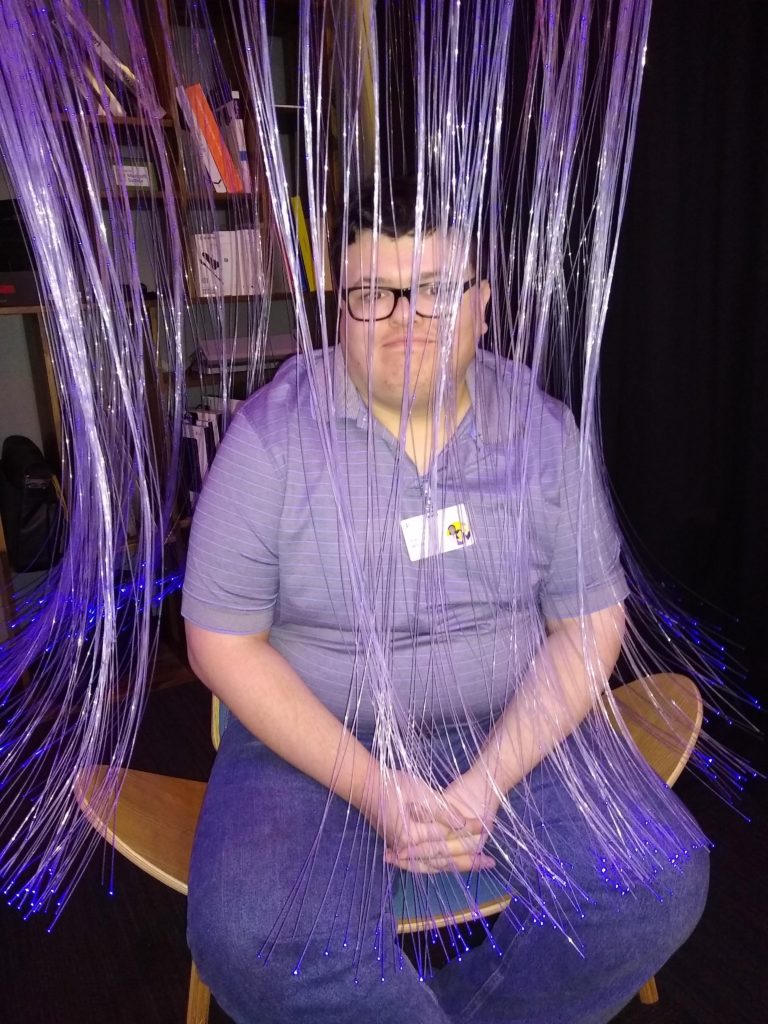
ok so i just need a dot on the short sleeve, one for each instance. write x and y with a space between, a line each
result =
232 576
584 573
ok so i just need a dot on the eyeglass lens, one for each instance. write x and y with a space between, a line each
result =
433 299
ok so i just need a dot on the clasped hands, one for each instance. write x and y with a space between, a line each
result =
428 830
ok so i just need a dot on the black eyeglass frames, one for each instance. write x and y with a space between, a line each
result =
373 302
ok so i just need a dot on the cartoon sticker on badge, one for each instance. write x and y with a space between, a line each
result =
460 532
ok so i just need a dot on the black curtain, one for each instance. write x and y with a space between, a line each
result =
685 417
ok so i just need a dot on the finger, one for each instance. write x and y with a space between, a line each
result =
436 865
414 836
434 853
422 829
472 827
443 813
413 833
449 845
452 817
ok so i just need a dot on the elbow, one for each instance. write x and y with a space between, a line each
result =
619 619
210 654
608 633
193 654
616 630
202 650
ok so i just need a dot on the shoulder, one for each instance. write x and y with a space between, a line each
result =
285 406
513 408
280 394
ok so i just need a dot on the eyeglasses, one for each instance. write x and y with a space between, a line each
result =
370 302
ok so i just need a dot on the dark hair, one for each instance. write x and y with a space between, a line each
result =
398 214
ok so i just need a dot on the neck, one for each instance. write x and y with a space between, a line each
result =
424 439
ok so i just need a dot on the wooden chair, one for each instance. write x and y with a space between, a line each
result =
156 816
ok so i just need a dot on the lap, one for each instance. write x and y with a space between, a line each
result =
275 848
279 863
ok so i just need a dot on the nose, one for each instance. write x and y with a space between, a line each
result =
401 312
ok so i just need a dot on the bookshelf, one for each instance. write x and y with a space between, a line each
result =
200 208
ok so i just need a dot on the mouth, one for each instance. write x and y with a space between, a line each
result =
402 341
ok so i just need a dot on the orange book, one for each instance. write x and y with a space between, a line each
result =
201 109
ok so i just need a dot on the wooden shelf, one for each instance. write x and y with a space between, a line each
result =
138 196
20 310
218 197
195 300
117 122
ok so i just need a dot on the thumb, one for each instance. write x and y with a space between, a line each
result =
451 816
439 811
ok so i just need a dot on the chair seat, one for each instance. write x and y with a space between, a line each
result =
437 900
154 826
663 715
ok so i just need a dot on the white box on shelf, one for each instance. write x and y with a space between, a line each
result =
228 263
237 352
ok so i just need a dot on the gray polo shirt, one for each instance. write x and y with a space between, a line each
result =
319 558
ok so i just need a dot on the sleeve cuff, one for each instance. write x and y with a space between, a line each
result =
225 620
591 599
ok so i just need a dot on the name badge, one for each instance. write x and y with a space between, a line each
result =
445 530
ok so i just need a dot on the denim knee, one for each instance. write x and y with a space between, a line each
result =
226 953
685 896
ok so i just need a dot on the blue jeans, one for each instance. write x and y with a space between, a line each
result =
259 844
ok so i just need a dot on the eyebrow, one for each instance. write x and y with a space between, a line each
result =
387 282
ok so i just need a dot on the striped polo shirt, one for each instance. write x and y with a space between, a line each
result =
299 531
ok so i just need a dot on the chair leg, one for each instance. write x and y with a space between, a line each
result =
199 1002
649 994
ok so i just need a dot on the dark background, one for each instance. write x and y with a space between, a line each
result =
684 366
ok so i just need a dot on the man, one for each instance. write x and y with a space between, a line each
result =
408 595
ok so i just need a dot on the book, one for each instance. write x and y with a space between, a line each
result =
305 247
86 94
117 68
103 92
194 462
208 130
211 424
202 146
228 263
204 152
201 432
229 111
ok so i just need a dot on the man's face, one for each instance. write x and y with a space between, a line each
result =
378 352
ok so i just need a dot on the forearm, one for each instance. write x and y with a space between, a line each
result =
269 698
565 679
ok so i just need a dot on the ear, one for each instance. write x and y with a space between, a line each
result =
484 289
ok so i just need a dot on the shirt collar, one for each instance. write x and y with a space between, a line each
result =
347 403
